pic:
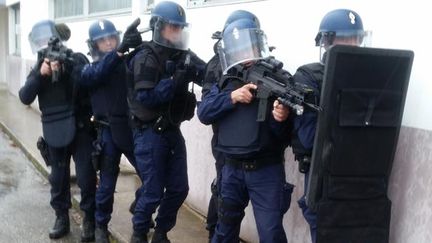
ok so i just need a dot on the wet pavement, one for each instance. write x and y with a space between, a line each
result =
22 124
26 215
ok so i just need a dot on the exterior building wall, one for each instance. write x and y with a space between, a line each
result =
3 43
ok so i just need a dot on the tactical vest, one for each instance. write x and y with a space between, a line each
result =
182 106
109 102
239 134
212 74
315 71
57 105
109 98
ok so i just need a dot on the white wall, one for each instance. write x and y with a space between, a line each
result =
292 26
10 2
3 43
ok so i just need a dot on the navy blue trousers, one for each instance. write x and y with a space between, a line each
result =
161 161
80 150
269 194
212 213
109 170
308 214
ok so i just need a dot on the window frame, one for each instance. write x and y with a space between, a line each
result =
86 12
214 3
15 30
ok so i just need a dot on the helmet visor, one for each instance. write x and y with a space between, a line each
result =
327 39
355 38
101 46
40 35
242 46
171 34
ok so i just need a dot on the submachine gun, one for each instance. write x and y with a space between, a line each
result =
56 51
272 80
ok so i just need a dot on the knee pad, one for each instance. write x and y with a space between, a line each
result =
229 213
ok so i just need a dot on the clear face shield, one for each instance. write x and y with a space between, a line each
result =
171 34
325 40
103 44
40 35
242 46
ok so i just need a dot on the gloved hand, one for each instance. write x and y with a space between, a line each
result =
186 74
191 73
131 38
179 77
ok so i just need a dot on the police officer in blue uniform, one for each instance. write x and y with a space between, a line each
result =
106 79
159 100
212 75
253 151
338 27
67 131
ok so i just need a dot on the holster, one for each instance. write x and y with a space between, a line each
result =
304 163
43 149
97 155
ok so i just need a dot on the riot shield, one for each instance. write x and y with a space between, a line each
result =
362 98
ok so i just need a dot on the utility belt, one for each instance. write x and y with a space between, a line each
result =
159 125
253 164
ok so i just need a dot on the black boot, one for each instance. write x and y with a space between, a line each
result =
88 229
101 234
138 238
61 226
160 236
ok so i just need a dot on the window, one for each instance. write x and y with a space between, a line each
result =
68 8
79 8
15 30
150 5
145 6
104 5
207 3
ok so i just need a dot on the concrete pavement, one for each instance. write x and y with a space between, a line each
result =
22 124
24 195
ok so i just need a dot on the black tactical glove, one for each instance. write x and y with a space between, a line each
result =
191 73
131 38
187 67
179 77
